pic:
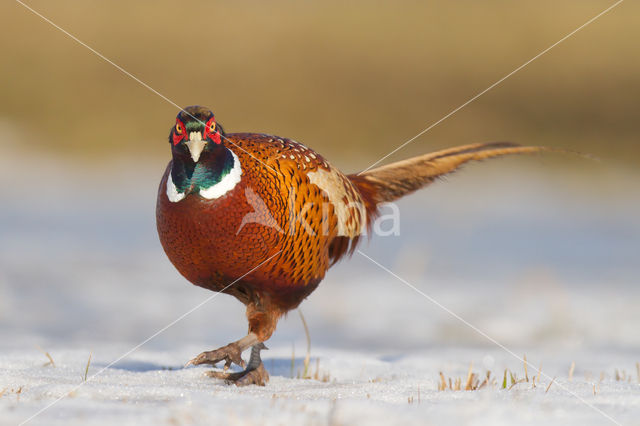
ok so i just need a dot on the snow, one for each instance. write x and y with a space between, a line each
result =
545 267
151 387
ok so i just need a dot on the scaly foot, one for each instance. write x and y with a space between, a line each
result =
255 373
257 376
229 354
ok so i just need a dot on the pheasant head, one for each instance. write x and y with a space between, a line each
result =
195 130
200 159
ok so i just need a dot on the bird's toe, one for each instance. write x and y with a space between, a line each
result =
256 376
230 354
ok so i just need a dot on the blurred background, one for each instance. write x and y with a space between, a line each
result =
535 251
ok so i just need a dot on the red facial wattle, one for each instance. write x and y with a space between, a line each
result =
209 134
179 133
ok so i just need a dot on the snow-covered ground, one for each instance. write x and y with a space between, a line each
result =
151 387
543 265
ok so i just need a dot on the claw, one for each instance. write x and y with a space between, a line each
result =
254 374
230 354
257 376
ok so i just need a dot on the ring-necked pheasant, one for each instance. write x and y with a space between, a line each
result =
262 218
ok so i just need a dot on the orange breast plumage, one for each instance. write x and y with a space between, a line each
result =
288 202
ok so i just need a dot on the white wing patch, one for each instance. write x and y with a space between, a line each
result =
227 183
347 205
172 192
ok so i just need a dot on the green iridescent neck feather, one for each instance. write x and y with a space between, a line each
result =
209 170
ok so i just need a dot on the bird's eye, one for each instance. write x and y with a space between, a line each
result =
178 129
212 127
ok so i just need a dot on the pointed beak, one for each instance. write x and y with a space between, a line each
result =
195 145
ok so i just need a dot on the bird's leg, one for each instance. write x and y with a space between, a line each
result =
232 353
254 374
262 323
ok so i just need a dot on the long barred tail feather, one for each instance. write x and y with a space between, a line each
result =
390 182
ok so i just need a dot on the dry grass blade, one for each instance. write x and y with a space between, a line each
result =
293 359
526 373
514 378
571 370
305 372
86 370
317 374
326 377
515 383
486 381
51 362
472 382
539 373
443 383
550 383
638 370
470 375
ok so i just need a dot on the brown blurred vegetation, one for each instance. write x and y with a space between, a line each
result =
351 79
